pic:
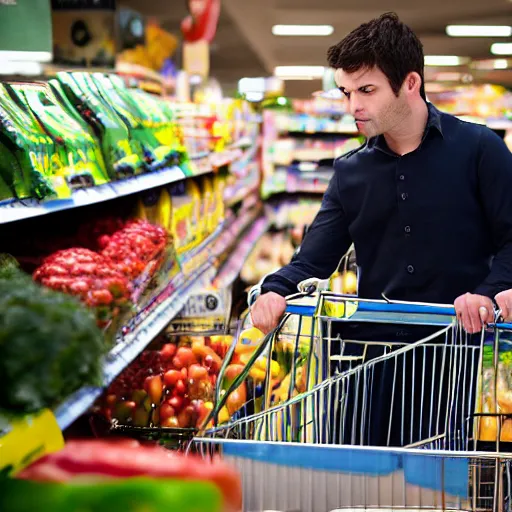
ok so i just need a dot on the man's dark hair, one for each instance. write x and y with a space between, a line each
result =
384 42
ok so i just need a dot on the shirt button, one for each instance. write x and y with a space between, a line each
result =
410 269
404 196
402 177
407 229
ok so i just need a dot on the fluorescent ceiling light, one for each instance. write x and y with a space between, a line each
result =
444 60
479 31
299 72
501 49
302 30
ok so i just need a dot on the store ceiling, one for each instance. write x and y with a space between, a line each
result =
245 46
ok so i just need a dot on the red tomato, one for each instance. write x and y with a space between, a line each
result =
185 419
186 355
184 373
180 388
177 363
168 351
236 399
197 372
171 377
176 402
201 351
166 411
233 371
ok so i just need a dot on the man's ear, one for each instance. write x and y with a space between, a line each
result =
412 83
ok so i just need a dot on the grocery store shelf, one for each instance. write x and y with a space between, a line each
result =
18 210
233 266
133 343
240 194
293 182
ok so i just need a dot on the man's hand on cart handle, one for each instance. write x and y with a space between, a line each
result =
474 311
267 310
504 301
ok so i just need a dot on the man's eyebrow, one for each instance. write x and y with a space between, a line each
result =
342 89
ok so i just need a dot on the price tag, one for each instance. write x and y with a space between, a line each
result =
26 439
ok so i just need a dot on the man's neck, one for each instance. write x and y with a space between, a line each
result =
406 137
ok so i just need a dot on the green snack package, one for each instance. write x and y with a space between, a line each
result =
157 156
163 121
76 151
123 495
121 159
26 154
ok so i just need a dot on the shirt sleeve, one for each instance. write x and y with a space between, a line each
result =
495 182
323 246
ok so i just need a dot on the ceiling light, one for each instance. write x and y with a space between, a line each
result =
302 30
501 49
299 72
444 60
501 64
479 31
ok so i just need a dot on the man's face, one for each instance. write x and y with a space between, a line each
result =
371 101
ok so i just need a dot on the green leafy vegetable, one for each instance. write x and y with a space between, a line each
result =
50 345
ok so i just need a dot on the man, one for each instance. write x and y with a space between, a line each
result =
427 200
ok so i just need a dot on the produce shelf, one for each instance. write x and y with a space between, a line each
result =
133 343
168 304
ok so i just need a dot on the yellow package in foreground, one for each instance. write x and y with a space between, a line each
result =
24 440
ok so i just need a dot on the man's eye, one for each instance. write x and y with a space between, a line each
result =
366 90
346 93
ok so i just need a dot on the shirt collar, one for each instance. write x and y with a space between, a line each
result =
433 121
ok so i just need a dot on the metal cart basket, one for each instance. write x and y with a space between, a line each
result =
394 422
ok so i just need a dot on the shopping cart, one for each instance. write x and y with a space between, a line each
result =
381 424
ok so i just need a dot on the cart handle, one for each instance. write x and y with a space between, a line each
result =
379 307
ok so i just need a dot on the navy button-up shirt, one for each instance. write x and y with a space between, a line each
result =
427 226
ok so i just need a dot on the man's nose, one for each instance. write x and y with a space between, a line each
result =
355 105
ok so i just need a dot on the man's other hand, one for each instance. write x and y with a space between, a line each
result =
267 311
474 311
504 301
